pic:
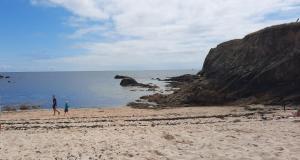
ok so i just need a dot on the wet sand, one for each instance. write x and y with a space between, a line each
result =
178 133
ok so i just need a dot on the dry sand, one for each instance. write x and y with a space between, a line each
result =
223 133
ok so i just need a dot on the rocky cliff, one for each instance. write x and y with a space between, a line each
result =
263 67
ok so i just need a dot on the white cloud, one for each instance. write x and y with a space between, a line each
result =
91 9
118 34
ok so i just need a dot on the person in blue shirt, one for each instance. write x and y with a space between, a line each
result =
66 108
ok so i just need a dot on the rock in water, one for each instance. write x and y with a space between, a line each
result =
6 77
263 67
121 77
128 82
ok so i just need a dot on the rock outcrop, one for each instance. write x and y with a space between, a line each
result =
263 67
179 80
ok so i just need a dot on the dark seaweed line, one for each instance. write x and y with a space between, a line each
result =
120 125
60 122
195 117
72 118
83 126
133 120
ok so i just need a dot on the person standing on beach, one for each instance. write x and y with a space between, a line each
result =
54 105
66 108
284 105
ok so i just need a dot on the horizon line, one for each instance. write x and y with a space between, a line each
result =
101 70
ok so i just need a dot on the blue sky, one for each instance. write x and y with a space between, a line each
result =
59 35
29 33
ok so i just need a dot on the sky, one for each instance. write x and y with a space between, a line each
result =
95 35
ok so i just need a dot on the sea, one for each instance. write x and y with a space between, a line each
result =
82 89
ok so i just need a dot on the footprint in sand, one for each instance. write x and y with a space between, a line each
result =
168 137
158 153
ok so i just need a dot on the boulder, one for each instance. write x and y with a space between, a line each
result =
128 82
131 82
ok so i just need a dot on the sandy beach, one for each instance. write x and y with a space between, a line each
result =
192 133
150 80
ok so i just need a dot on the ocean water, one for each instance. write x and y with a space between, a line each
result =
81 89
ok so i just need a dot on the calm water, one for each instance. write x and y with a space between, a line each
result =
81 89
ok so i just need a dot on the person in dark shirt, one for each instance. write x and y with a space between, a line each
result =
54 105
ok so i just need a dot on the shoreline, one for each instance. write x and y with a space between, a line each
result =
175 133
